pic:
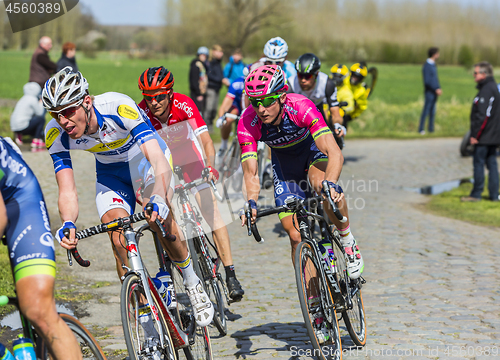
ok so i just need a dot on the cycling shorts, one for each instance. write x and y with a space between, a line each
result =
118 183
290 174
29 240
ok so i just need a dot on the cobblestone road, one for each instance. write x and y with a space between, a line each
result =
432 283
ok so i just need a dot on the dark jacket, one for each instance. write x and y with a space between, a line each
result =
41 67
485 113
429 73
66 61
215 75
198 77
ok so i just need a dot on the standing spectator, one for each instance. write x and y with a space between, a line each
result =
42 67
485 132
67 57
28 116
215 77
234 68
432 90
198 80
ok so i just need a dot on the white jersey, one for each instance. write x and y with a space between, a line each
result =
318 95
123 127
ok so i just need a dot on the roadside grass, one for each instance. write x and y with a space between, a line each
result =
448 204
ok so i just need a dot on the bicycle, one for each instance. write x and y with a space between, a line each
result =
206 259
176 327
323 291
90 348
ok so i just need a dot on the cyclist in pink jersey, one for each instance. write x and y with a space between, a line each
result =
178 121
304 153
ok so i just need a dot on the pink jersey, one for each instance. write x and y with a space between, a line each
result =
301 119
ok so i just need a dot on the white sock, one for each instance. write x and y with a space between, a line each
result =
223 144
188 274
346 237
146 321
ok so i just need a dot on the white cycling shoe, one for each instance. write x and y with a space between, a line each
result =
355 263
151 346
202 306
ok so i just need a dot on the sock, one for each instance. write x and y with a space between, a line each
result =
147 322
229 272
190 277
346 236
223 143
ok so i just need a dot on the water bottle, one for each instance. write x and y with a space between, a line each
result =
5 353
23 349
327 252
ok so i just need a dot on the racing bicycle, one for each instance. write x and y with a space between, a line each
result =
326 293
175 327
204 254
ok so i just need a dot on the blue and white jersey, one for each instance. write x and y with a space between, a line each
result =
289 69
235 91
14 172
123 127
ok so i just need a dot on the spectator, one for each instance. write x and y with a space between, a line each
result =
67 57
198 80
485 132
432 90
215 77
42 67
28 116
234 68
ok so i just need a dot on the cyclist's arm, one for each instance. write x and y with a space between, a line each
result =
162 170
226 105
335 114
68 196
208 146
328 146
251 178
3 215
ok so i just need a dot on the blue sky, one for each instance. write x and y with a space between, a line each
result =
152 12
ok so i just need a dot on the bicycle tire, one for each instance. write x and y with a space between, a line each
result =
305 265
225 171
201 349
212 287
466 149
133 331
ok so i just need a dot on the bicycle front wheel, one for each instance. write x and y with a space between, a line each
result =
89 347
324 333
140 328
201 348
354 317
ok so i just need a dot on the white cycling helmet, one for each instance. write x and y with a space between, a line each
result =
64 88
276 49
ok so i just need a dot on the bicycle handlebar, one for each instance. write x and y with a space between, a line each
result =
112 226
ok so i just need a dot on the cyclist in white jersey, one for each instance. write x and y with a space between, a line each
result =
115 130
317 87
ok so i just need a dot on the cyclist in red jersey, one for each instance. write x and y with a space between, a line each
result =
178 121
304 153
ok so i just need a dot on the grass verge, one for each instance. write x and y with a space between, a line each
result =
448 204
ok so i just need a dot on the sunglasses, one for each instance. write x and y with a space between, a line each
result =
305 76
266 102
274 62
158 97
66 112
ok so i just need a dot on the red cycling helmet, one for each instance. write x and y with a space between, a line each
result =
156 78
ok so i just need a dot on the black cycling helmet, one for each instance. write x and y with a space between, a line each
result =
156 78
308 64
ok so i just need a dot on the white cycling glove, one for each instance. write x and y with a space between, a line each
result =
220 121
340 127
159 206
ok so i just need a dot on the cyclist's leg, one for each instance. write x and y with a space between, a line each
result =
225 129
31 249
317 170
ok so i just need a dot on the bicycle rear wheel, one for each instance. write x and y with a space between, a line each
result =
135 314
226 171
354 318
324 333
89 347
201 348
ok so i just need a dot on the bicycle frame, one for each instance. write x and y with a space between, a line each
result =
136 266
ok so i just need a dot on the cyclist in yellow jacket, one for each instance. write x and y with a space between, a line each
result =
340 77
358 73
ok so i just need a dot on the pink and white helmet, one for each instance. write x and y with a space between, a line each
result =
265 80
